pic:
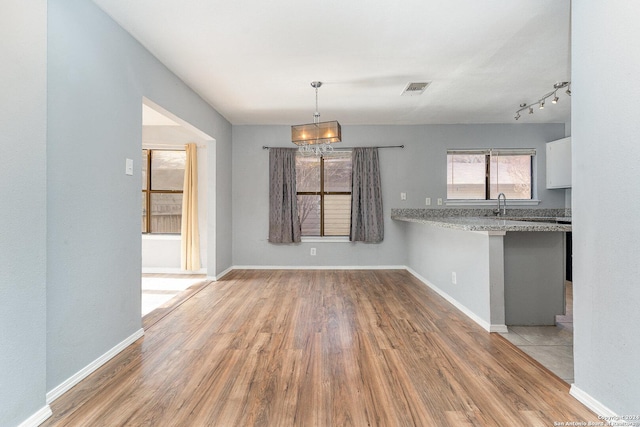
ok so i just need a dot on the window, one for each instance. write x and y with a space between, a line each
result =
324 194
162 190
483 174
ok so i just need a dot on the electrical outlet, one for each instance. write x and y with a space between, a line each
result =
427 201
439 201
313 251
403 196
128 166
454 279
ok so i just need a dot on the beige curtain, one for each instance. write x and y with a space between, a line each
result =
190 256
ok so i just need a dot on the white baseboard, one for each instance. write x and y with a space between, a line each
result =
483 323
318 267
221 275
37 418
591 403
170 270
501 329
91 367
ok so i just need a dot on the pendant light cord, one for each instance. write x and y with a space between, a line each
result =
316 115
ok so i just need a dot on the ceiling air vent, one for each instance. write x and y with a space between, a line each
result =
415 89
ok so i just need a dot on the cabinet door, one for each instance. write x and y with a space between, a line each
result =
559 163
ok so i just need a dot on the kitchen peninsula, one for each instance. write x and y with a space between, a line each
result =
500 271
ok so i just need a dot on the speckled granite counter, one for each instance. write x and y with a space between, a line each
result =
460 219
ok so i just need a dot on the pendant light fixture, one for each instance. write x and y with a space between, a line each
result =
316 138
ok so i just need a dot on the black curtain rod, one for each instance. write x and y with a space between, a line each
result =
264 147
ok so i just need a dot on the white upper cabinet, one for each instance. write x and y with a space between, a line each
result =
559 163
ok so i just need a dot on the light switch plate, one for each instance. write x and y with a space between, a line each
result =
403 196
128 166
439 201
427 201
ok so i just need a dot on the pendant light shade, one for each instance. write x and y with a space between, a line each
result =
317 134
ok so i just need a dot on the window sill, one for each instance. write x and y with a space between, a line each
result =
148 236
332 239
509 202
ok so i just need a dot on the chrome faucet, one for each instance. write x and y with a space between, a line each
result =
504 205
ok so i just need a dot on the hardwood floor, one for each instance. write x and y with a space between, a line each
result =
318 348
180 297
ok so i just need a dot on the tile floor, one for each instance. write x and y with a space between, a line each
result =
159 289
552 346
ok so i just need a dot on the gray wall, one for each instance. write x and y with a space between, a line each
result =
435 252
23 120
220 238
419 170
97 77
606 155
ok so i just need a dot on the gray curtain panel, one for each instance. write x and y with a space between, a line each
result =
367 219
284 223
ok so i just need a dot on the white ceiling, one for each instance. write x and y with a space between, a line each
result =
253 60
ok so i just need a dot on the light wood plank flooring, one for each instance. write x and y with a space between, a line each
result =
318 348
177 287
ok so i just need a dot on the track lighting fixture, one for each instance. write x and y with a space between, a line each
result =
541 102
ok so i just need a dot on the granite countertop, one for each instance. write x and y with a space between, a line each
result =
513 221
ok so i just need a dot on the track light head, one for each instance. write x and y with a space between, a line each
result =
541 101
